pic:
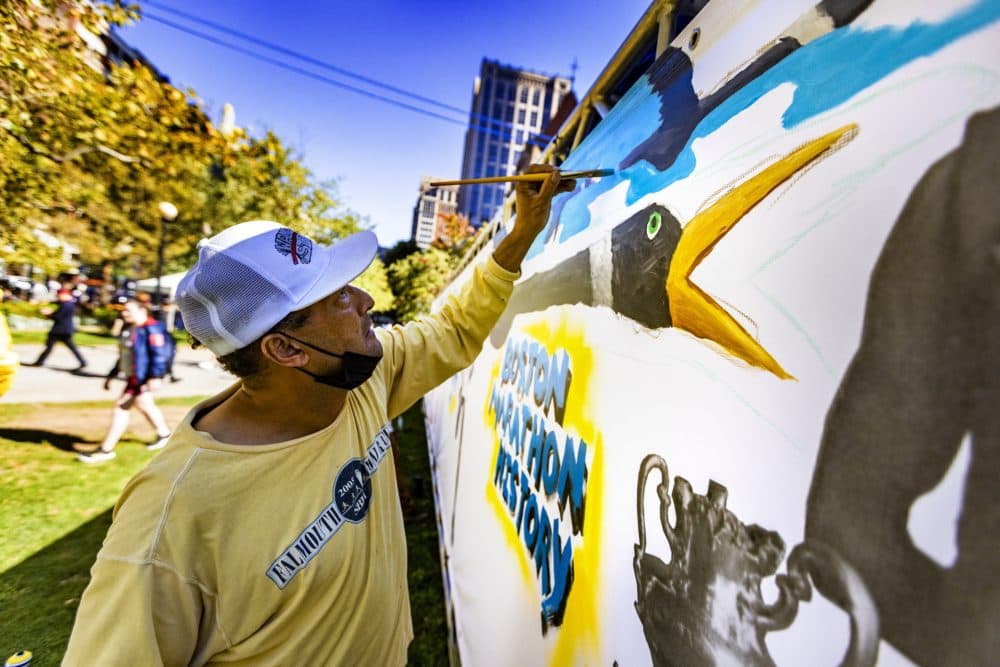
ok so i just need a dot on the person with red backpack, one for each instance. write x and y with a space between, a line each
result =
144 352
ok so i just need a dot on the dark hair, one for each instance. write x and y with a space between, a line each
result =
249 359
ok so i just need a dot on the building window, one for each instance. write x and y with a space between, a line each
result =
534 120
497 110
509 116
494 151
524 93
520 116
428 208
536 96
519 137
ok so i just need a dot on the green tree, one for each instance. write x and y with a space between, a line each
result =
87 152
416 280
400 250
375 281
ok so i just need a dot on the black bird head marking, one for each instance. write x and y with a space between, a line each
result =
641 250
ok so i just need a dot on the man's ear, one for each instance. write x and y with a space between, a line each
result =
283 351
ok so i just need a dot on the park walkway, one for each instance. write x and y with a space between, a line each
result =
54 383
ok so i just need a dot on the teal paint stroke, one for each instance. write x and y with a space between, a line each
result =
826 72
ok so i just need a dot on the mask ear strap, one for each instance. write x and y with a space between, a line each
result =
315 347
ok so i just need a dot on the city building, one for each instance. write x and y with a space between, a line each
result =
537 141
509 105
432 202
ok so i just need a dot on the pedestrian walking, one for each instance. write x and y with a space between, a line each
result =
143 355
269 531
63 327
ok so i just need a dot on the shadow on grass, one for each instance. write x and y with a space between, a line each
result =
87 374
63 441
430 629
40 595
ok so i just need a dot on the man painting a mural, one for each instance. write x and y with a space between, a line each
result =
269 531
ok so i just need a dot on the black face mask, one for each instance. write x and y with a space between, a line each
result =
354 368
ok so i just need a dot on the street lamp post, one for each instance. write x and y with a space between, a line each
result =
168 212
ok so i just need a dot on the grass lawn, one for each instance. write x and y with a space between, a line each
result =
54 513
80 338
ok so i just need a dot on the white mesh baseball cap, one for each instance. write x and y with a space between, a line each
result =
250 276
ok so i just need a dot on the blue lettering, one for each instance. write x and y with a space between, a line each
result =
542 547
530 525
572 482
508 363
562 562
501 461
540 375
512 481
535 447
550 463
518 439
525 491
558 386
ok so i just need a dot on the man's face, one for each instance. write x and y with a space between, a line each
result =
341 323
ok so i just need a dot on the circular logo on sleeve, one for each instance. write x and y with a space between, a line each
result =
352 492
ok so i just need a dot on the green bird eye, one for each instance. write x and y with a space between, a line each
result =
654 224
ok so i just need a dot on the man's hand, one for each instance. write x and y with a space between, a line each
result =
534 203
534 200
107 384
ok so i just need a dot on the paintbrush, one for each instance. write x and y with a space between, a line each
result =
565 176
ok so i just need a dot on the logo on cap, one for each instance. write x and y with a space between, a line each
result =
288 242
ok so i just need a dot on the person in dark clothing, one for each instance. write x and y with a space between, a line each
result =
63 328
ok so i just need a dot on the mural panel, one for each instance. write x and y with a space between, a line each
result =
742 407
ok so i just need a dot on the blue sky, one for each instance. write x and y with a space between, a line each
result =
376 151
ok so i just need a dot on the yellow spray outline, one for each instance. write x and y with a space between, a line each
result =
578 635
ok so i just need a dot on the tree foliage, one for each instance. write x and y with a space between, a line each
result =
453 233
375 281
88 149
417 278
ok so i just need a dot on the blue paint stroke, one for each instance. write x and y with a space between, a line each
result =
826 73
635 117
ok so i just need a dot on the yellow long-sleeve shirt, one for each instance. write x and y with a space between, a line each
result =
291 553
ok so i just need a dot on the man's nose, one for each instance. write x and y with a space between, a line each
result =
365 300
